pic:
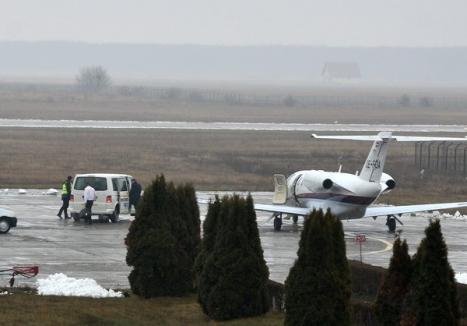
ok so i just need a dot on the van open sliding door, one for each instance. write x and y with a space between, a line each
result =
124 194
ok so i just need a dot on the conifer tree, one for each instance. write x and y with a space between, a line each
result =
252 227
161 265
210 226
432 299
317 288
343 306
233 281
189 214
395 286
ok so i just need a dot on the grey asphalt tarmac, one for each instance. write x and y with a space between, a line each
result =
98 251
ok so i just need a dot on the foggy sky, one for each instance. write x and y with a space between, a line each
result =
239 22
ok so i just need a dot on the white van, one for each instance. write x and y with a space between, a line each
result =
112 191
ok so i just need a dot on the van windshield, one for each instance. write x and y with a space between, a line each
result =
98 183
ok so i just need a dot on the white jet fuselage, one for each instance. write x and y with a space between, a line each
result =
346 195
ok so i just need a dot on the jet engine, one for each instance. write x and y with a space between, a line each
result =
387 183
316 182
327 183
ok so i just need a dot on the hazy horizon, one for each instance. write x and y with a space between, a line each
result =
271 64
273 41
334 23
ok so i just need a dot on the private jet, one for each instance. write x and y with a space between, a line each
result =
348 196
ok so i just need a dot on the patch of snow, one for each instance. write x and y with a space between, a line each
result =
461 278
456 216
51 191
22 191
60 284
4 293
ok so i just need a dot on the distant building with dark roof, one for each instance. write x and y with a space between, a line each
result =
340 71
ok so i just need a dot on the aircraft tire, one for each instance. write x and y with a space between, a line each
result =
391 225
277 224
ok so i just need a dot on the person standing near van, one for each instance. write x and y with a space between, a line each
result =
66 192
89 198
135 193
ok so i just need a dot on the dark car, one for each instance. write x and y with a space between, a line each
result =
7 220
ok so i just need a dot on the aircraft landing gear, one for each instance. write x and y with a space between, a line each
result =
295 219
277 222
391 223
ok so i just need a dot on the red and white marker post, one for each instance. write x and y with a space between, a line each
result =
360 238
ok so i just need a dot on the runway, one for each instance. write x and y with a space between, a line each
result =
98 251
184 125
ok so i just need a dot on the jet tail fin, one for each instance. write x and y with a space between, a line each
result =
374 164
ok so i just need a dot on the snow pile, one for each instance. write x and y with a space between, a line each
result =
461 278
51 191
456 216
60 284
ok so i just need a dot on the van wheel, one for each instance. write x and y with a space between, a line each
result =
4 225
114 217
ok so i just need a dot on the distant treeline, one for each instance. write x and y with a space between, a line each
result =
254 63
397 98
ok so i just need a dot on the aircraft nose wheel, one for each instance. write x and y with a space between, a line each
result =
277 222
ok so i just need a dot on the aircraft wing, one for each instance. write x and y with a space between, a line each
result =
395 210
283 209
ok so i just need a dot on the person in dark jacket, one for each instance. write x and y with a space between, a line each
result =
135 193
66 193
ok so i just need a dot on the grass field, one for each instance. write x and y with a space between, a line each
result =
27 309
320 104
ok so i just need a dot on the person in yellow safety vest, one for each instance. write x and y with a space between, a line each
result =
66 192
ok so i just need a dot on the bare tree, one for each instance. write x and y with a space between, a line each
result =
425 102
404 100
93 79
289 101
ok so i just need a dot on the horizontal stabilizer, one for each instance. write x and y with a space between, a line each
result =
396 138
